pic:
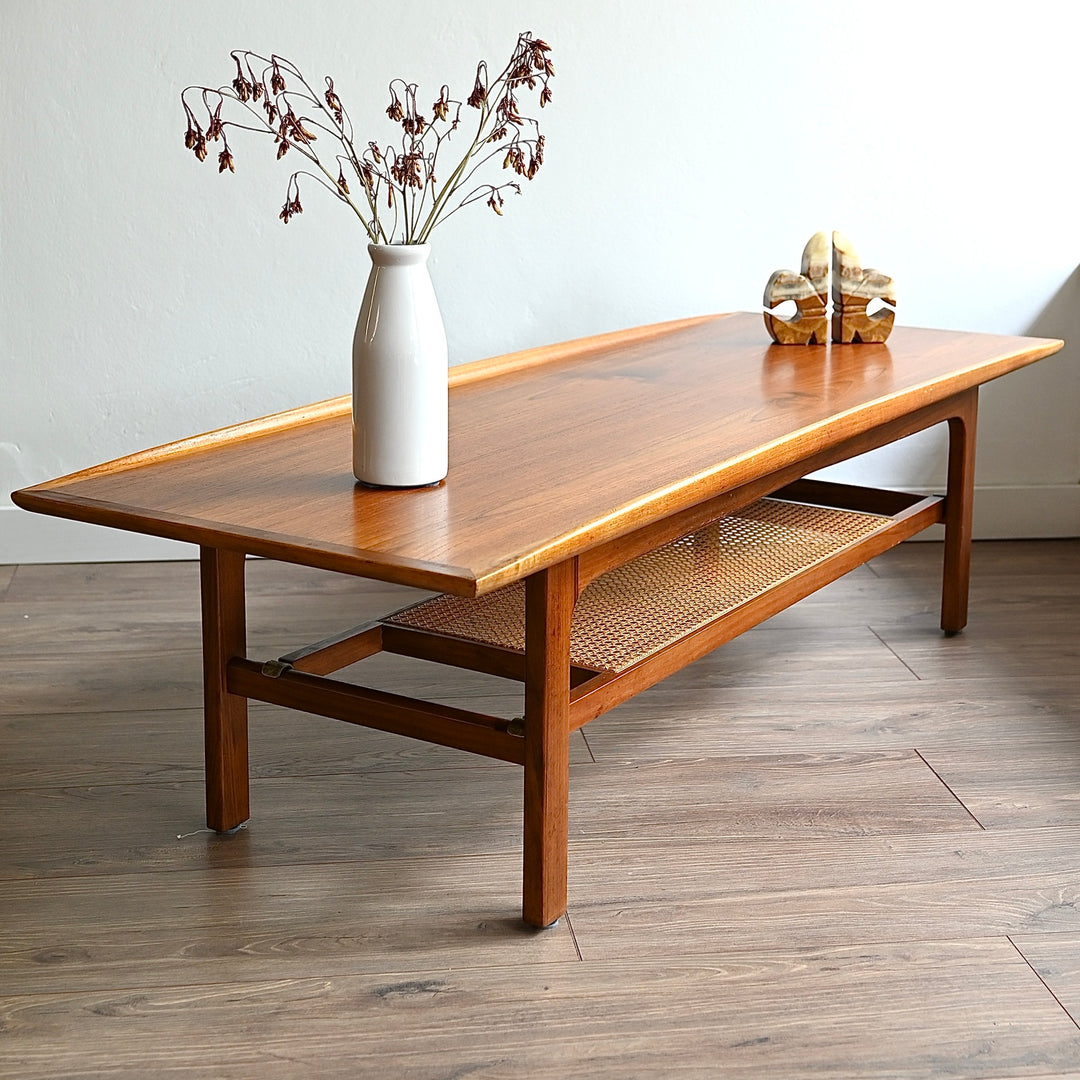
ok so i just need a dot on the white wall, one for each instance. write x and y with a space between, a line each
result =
692 148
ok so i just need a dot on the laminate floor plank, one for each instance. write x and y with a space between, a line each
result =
78 682
766 796
1056 959
113 582
166 746
751 865
6 574
864 599
1027 784
126 681
383 813
1008 559
244 925
655 898
87 931
674 720
961 1009
101 628
121 828
1014 646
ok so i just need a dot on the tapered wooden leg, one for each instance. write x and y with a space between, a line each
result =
959 499
549 606
225 714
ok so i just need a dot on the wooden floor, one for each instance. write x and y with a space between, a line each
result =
842 845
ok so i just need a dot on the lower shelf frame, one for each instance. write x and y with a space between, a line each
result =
298 679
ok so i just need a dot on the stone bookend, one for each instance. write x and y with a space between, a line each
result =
852 290
809 290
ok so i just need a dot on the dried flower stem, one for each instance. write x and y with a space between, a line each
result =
277 101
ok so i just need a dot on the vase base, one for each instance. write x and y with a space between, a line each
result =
399 487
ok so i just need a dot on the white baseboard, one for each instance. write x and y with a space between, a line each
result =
1001 513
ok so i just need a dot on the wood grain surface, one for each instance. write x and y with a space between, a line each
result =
910 1011
548 458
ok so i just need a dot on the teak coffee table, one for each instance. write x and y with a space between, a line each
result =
616 507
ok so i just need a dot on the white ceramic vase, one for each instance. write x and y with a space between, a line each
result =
399 401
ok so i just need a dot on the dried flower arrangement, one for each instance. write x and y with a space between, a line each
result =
270 96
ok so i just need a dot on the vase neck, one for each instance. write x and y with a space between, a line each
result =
399 254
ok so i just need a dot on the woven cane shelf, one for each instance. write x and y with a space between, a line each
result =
639 608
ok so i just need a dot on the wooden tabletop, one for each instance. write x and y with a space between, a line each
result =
552 451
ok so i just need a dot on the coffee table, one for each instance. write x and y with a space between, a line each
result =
616 507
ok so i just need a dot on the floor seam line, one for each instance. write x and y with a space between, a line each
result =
914 673
573 938
1020 953
588 746
967 809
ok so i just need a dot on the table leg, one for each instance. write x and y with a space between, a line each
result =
959 498
549 606
225 714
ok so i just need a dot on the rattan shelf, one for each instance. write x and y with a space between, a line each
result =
657 599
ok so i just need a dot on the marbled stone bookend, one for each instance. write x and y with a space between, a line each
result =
852 290
810 291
